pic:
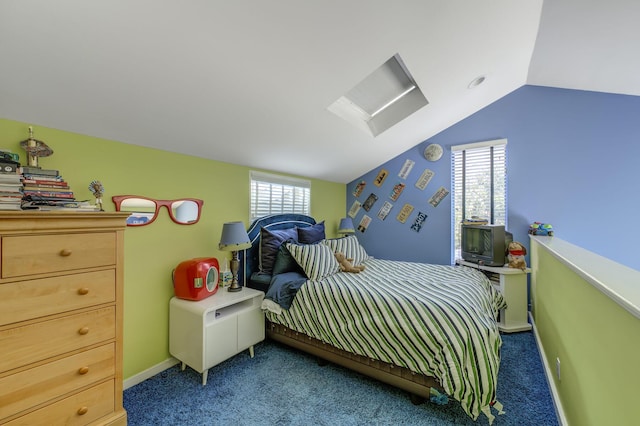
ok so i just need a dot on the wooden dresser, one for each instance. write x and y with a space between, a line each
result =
61 284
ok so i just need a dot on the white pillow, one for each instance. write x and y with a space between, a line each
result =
350 247
317 260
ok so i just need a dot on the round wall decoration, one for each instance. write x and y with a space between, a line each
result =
433 152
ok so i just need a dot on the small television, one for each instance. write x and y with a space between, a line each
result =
485 244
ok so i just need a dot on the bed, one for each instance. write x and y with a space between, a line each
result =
419 327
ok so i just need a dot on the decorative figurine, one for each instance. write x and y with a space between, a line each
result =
97 190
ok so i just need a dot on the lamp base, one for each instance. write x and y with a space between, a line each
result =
235 265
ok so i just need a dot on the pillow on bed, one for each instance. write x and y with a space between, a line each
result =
350 247
285 262
311 234
316 260
270 242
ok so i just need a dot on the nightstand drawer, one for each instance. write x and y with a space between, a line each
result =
20 301
79 409
27 255
38 385
23 345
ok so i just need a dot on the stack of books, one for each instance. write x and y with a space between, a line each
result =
10 191
44 187
10 182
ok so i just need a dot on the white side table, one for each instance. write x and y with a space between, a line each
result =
206 332
512 283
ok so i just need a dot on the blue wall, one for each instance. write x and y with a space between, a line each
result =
573 160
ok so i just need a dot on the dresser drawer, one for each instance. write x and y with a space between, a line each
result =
79 409
26 255
38 385
20 301
23 345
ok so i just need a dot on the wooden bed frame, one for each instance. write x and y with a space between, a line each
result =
418 385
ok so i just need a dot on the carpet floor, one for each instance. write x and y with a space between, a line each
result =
282 386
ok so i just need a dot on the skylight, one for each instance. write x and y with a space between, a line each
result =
384 98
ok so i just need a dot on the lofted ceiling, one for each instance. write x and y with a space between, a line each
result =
249 81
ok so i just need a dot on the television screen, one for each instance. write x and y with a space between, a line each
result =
478 241
484 244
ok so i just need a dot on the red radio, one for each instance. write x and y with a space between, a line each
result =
196 279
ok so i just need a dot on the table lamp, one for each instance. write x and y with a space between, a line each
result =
234 238
346 226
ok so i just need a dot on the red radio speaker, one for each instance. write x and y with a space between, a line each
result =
196 279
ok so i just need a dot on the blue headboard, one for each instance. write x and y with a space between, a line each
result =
251 258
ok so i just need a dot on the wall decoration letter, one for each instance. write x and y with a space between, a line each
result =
355 208
438 196
404 213
406 169
364 223
418 222
424 179
359 188
397 190
384 210
382 175
370 201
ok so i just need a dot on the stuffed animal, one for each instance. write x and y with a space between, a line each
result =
346 265
515 255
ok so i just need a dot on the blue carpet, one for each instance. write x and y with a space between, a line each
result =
282 386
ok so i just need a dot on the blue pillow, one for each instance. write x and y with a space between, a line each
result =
283 288
285 262
311 234
270 242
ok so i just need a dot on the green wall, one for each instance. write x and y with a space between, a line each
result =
151 252
597 341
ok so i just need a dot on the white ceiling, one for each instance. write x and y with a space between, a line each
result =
249 81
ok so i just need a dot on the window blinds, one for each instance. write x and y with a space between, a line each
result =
275 194
479 175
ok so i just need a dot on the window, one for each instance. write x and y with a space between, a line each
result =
384 98
479 175
275 194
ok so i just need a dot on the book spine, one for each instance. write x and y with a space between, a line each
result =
52 182
49 194
46 188
57 178
37 171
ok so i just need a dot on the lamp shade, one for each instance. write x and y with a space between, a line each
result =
346 226
234 237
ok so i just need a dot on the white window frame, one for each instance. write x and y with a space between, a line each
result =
278 194
486 160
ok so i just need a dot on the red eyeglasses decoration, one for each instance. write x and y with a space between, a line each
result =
183 211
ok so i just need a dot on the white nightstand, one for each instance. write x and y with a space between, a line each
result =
206 332
512 283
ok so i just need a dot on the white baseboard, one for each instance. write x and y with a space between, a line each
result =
549 376
149 372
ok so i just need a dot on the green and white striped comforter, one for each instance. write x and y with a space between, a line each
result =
433 319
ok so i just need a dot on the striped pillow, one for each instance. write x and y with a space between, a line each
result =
317 260
350 247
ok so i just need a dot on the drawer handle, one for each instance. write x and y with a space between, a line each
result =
82 291
83 370
84 330
83 410
65 252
